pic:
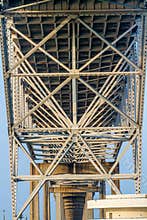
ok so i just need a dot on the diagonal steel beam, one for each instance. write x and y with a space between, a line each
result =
103 87
123 152
49 105
49 171
109 46
40 48
28 155
110 87
59 111
125 53
37 46
87 112
107 101
26 5
98 166
43 101
107 95
45 111
33 85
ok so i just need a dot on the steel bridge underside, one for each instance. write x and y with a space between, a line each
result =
74 75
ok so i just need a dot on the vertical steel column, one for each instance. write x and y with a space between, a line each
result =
74 83
141 88
117 182
5 46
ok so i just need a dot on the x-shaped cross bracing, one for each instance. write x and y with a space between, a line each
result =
81 143
50 35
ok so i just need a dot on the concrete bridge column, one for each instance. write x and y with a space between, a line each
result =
59 206
34 205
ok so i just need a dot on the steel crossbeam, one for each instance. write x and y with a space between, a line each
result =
49 13
76 74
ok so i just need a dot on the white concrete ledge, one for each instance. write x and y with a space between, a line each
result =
113 203
121 206
119 201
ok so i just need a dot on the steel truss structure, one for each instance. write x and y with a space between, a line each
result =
74 76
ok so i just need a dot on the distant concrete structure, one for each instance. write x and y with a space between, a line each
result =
74 76
121 206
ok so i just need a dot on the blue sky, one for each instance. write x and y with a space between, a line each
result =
5 196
